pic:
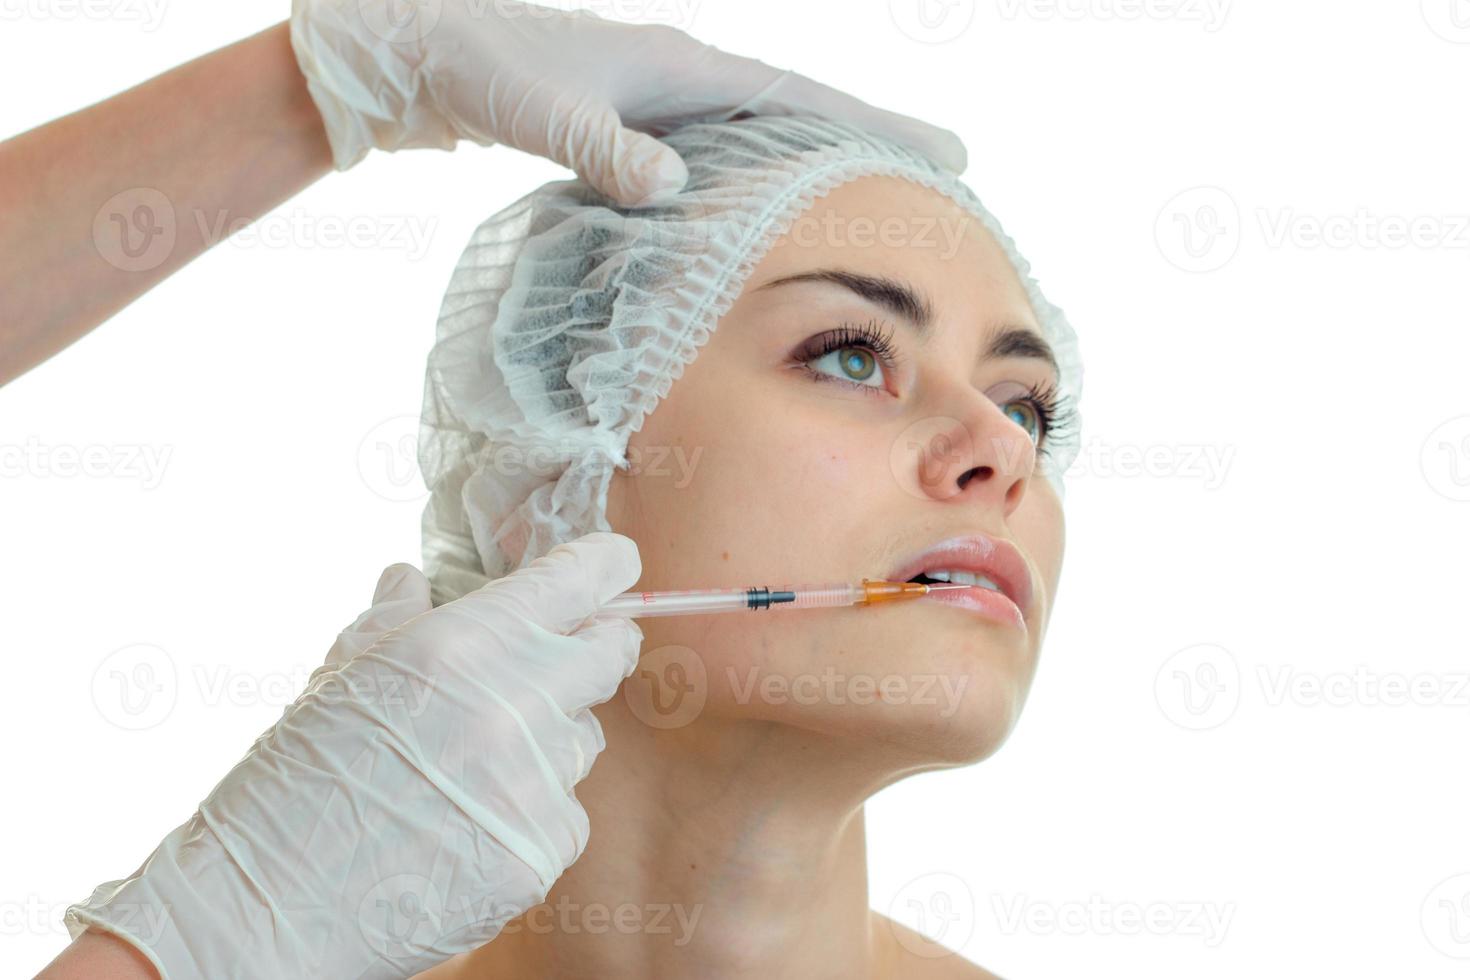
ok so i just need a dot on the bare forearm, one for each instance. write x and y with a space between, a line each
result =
99 956
101 205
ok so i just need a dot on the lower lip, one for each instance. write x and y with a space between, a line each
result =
985 602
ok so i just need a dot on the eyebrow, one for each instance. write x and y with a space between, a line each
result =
908 304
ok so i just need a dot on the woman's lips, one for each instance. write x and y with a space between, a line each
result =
992 558
985 602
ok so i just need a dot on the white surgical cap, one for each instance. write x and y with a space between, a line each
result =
569 317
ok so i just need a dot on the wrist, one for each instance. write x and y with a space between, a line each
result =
302 121
391 111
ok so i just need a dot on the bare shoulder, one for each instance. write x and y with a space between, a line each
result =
910 955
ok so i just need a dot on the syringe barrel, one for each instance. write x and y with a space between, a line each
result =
676 603
819 596
681 603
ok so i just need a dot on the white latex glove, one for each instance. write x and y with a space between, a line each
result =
416 797
570 86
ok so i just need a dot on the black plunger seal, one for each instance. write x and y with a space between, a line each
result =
762 598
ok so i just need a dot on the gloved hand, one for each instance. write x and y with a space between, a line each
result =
416 797
570 86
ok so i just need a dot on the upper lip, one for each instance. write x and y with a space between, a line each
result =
995 559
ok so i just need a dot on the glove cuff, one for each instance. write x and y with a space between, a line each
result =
383 111
181 910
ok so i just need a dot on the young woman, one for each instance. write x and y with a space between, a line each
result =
736 823
823 361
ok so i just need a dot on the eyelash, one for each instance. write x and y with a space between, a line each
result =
1053 411
869 335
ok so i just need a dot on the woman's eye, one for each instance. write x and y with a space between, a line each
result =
1023 413
855 364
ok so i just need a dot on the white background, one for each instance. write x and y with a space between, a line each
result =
1267 526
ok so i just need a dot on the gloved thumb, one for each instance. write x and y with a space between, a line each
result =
563 588
630 167
402 593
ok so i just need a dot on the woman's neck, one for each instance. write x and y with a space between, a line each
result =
722 848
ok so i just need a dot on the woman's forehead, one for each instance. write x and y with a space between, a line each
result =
891 220
939 257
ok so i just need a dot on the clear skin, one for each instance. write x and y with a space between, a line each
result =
752 811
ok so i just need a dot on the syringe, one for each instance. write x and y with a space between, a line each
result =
681 603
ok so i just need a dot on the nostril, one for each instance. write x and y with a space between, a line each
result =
965 477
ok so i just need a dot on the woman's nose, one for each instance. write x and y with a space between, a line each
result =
979 457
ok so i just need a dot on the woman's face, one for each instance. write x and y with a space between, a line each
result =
771 462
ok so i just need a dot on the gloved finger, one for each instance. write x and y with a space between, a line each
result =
512 765
631 167
717 86
401 594
580 753
552 675
590 740
561 589
648 171
568 746
791 94
588 665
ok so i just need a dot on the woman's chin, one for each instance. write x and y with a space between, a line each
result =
912 688
966 681
954 711
955 722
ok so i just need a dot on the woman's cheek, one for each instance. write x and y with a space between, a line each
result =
830 467
817 453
